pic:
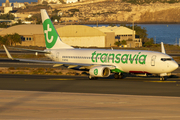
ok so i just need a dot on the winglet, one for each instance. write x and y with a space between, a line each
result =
7 52
162 48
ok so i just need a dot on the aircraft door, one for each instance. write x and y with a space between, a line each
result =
153 58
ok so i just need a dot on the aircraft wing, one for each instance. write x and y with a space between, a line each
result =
39 51
57 64
69 65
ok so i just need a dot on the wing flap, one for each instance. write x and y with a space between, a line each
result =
57 65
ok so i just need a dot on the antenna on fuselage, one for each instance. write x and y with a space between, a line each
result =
162 48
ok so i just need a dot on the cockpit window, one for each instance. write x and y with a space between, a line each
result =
166 59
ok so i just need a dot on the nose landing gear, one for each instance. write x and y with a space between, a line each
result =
163 78
92 78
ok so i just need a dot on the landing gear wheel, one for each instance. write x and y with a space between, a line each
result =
121 76
116 75
92 78
162 78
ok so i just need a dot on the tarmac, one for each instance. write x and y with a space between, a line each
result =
42 97
37 105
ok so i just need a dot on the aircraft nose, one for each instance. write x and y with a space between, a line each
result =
174 65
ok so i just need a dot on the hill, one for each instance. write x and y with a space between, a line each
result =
119 11
114 11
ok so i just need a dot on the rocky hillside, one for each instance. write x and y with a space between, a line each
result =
171 15
113 11
118 11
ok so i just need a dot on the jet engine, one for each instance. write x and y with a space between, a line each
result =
99 71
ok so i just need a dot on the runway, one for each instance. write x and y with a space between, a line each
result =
37 97
81 84
151 86
58 97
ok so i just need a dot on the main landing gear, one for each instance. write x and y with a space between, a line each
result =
163 78
118 76
92 78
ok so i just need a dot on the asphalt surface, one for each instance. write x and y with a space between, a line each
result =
78 98
81 84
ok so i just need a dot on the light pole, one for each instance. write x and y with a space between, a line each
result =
133 26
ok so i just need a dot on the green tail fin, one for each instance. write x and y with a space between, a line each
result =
52 39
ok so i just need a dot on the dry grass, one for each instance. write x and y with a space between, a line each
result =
39 71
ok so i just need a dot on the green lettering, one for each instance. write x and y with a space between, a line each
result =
111 58
132 59
104 54
124 58
93 56
97 56
105 57
137 57
117 58
144 59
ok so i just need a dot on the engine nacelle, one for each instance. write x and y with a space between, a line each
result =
99 71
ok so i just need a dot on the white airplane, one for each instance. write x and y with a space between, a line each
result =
102 62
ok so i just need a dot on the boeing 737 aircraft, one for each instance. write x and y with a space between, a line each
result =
102 62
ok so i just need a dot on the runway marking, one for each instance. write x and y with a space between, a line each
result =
50 79
127 118
162 81
60 79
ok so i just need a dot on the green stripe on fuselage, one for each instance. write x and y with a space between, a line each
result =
116 70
